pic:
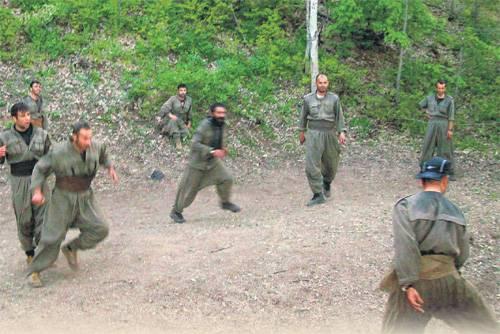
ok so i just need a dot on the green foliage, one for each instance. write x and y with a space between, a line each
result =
9 33
362 126
243 52
368 23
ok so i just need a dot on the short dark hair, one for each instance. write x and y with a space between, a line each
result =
18 107
76 127
430 181
181 85
217 105
34 82
441 82
320 74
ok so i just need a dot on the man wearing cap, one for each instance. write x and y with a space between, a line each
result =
431 245
323 120
21 147
438 138
206 167
175 116
34 101
75 164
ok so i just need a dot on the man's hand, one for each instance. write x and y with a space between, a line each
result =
112 174
449 134
302 137
414 299
38 198
188 125
342 138
3 151
221 153
172 117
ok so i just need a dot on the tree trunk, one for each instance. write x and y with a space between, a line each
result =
307 55
401 54
313 35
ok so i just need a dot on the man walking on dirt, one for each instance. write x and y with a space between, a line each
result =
431 245
205 166
175 116
21 147
323 120
438 138
73 205
34 102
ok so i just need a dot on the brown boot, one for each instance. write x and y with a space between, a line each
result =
71 257
29 259
36 282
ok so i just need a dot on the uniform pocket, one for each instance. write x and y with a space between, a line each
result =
37 147
15 147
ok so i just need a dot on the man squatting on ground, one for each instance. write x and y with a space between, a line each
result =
175 116
73 205
21 147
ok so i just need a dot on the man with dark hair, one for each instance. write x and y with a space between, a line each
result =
205 166
75 165
21 147
323 119
34 102
175 116
438 138
431 245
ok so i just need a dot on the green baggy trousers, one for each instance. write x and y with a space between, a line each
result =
437 143
322 157
68 210
29 217
193 180
450 298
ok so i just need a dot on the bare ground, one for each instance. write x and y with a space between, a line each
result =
277 267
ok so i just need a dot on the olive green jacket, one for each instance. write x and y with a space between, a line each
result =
202 145
424 224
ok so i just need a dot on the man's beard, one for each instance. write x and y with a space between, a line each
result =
80 146
219 121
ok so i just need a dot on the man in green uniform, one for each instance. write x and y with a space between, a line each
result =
175 116
205 166
34 102
323 120
438 138
21 147
431 244
75 165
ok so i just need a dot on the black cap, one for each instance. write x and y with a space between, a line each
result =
434 169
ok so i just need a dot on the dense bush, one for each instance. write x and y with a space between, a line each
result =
244 52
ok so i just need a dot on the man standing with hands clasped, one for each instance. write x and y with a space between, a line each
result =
323 120
438 138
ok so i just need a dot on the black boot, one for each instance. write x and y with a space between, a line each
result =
177 217
230 206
